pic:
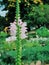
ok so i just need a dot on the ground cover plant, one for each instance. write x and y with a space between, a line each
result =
32 51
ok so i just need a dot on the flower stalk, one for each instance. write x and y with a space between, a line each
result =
18 40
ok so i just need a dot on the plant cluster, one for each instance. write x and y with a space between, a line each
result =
31 51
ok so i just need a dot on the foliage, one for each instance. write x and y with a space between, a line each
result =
46 2
31 11
36 53
3 34
42 32
7 59
3 24
38 16
35 13
31 51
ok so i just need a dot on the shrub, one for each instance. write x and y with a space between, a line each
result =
42 32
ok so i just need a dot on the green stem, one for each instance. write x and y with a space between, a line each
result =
18 41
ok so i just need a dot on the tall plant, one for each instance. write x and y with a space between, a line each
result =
18 45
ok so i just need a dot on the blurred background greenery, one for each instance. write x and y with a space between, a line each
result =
36 14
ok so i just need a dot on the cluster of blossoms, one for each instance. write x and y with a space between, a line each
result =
13 30
23 29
